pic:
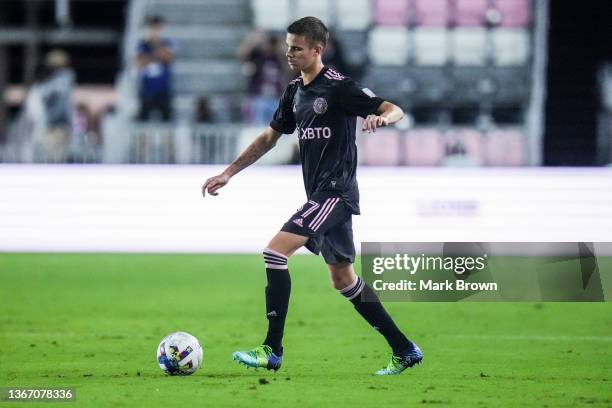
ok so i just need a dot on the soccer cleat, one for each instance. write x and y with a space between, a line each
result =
400 363
261 356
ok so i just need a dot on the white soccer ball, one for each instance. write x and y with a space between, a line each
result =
179 353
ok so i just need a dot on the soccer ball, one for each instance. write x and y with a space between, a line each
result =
179 353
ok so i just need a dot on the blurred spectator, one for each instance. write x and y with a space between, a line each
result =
85 135
154 59
82 119
263 64
55 82
203 113
333 57
44 125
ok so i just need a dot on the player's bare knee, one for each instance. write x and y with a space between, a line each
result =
340 284
342 275
335 281
286 243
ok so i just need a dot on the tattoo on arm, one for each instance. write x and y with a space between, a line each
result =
252 153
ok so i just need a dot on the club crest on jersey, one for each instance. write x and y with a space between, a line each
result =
320 106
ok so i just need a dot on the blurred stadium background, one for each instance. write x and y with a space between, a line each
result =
496 93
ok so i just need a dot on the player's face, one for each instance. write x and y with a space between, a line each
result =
300 56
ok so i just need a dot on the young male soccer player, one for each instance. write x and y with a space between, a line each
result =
323 105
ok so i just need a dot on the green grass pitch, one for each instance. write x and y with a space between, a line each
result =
93 322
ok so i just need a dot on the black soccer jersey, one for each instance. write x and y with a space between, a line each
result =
324 112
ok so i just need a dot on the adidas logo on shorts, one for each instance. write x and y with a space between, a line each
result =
299 221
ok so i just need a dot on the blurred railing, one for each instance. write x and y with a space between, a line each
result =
55 147
183 144
158 143
146 144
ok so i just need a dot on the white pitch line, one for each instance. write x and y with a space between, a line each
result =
530 337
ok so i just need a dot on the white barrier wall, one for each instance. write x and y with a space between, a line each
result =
160 209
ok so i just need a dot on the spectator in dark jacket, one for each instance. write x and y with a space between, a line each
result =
154 60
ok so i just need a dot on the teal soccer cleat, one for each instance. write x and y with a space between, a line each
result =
399 363
259 357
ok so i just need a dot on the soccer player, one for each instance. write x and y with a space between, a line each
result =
323 104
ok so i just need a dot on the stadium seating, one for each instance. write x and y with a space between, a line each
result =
424 147
352 46
514 13
320 8
221 76
271 15
446 62
470 13
388 45
204 42
473 84
391 12
431 84
511 46
353 14
505 147
431 46
435 13
393 83
464 147
469 46
381 148
202 14
511 84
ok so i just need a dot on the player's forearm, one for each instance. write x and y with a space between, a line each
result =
250 155
391 112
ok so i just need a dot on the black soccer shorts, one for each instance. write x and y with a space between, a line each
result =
327 221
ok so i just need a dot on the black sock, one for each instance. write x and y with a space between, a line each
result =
277 298
375 314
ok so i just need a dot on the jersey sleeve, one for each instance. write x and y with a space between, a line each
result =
284 120
358 101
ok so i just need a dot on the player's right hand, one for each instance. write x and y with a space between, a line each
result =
214 183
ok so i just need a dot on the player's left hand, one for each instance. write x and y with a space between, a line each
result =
372 122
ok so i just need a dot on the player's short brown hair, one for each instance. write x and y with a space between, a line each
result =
312 29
